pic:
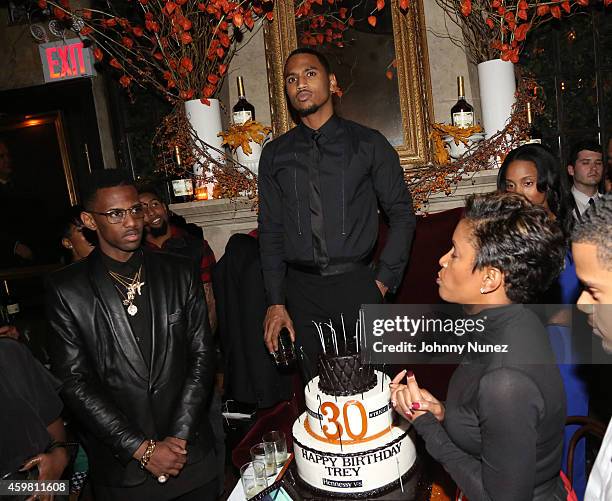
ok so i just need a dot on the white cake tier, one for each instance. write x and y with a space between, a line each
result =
353 418
356 468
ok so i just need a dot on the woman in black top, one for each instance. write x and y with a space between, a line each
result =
500 432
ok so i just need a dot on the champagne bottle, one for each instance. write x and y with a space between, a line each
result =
181 184
242 110
462 114
534 135
10 306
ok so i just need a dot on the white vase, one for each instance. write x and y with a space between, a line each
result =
250 161
206 121
497 94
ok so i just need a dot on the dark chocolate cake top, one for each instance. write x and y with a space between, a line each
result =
344 375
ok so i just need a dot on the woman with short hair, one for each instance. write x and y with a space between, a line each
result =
500 432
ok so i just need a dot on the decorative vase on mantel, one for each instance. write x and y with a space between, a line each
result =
497 94
251 161
206 121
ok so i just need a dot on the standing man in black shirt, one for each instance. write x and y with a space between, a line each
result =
320 185
133 349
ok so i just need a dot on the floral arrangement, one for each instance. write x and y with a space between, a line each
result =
175 133
179 48
459 135
441 177
320 22
240 135
498 28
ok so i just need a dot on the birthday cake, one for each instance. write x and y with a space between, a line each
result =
346 444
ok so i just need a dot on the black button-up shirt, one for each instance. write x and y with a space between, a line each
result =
358 169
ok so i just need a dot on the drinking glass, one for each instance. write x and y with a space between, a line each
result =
264 453
284 357
254 479
277 438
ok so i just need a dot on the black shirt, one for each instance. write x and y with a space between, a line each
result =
358 169
502 436
141 322
29 401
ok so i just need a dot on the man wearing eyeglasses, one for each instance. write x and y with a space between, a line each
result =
133 348
161 235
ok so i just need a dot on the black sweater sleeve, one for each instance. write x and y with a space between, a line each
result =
395 200
271 229
510 406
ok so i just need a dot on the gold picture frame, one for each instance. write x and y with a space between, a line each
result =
414 83
22 134
55 118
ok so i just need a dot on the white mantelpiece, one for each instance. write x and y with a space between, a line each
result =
482 182
219 219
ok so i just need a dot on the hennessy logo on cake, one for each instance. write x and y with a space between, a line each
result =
346 443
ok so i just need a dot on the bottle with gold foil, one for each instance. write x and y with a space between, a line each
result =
182 183
242 110
462 114
534 135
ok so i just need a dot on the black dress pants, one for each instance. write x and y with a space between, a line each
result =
176 489
321 299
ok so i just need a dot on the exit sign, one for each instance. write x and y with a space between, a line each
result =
65 59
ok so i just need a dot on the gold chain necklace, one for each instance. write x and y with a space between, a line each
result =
132 285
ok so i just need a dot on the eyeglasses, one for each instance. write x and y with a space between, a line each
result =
116 216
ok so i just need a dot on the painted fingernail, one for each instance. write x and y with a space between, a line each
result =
416 405
408 413
409 374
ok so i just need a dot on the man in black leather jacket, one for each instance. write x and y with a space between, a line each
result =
132 346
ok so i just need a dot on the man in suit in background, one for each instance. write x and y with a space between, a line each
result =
585 165
133 348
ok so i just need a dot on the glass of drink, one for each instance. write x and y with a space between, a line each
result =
254 479
277 438
284 357
264 453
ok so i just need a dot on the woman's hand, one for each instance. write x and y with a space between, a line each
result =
51 465
411 401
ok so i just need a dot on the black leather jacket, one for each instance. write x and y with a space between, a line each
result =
117 400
